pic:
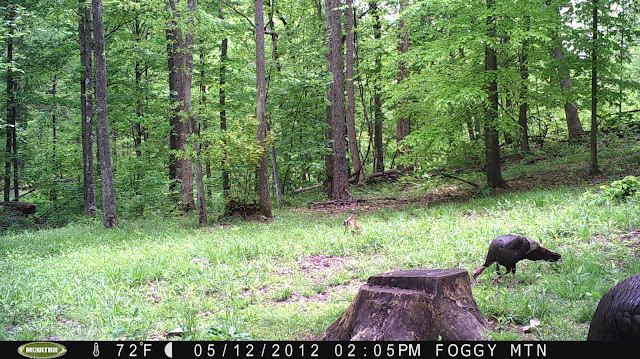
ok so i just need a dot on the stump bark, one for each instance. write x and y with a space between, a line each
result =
425 304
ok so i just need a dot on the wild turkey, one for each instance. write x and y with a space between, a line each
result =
617 316
509 249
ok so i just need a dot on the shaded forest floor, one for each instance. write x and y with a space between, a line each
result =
537 170
292 277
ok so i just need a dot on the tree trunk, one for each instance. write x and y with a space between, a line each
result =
264 196
329 158
11 104
593 167
222 97
403 129
351 96
197 145
108 195
138 130
524 104
276 173
180 78
492 151
378 150
86 98
53 195
574 127
340 172
202 204
415 305
272 148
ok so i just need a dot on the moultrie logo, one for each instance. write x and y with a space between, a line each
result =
42 350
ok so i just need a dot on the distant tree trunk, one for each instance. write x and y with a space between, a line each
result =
494 174
524 105
86 85
264 195
274 55
138 130
108 195
222 96
340 173
202 204
180 46
276 172
53 195
403 129
11 104
574 127
378 151
329 158
593 168
197 145
351 96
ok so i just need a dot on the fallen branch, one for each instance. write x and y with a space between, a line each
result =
346 202
460 179
304 189
391 174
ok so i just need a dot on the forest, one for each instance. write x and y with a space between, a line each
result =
129 126
229 104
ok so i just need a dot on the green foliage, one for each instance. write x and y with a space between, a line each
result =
230 333
626 188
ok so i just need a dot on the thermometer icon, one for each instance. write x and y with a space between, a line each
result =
96 351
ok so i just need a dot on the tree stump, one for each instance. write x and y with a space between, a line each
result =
425 304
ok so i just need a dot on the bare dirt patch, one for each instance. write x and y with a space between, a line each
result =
630 238
319 269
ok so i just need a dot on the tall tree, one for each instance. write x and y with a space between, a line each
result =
12 106
86 106
574 126
492 146
202 204
264 195
336 98
524 76
222 99
351 95
593 166
378 150
108 195
139 70
403 128
180 47
275 57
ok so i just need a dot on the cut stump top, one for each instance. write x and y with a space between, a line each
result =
417 279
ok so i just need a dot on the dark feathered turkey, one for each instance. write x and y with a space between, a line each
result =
509 249
617 316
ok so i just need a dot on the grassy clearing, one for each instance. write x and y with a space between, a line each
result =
291 278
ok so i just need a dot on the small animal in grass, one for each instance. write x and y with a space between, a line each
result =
353 225
509 249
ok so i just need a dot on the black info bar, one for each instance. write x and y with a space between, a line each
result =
310 349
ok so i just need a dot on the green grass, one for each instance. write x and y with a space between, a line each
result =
144 278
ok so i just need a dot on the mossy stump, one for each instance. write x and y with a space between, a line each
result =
423 304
